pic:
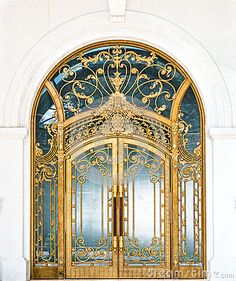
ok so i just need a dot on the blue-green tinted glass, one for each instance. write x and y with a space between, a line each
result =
146 78
190 183
45 115
191 115
46 182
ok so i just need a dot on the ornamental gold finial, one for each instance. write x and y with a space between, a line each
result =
117 81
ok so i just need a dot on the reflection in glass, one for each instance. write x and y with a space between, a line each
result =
190 182
46 181
92 207
143 211
45 115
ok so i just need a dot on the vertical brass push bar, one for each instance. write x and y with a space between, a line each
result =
114 193
121 217
120 190
114 243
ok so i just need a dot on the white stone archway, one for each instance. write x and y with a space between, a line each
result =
97 27
138 27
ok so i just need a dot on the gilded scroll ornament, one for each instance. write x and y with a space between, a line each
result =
84 253
46 165
101 100
118 69
190 180
148 254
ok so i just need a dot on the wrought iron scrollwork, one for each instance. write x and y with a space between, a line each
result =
136 161
137 157
129 95
151 254
97 254
98 158
189 163
46 180
117 69
190 182
118 117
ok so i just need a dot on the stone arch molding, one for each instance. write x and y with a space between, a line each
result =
97 27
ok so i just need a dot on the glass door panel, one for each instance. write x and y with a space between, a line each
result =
91 174
117 200
144 227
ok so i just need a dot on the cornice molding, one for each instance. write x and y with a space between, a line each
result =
222 133
13 133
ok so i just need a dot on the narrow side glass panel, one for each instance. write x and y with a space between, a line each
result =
190 183
45 182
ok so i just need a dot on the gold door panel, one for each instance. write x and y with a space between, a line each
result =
112 185
91 174
145 223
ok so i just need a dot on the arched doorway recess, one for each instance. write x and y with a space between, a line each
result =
118 184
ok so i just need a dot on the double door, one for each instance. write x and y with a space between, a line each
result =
117 210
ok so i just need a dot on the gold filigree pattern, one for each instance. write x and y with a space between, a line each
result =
99 158
118 69
117 114
83 252
190 182
137 157
148 254
136 161
46 182
189 163
98 254
118 123
116 132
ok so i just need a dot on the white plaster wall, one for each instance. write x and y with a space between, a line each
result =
36 34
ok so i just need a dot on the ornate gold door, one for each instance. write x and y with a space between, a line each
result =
90 211
117 211
118 171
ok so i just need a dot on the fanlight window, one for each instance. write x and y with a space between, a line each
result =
126 115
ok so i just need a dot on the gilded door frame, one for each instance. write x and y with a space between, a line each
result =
59 270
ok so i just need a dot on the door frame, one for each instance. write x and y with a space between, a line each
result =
117 270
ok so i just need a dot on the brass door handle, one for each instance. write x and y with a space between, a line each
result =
121 190
114 243
121 243
114 190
